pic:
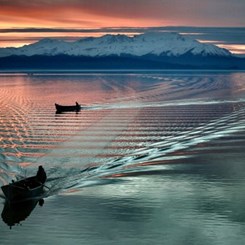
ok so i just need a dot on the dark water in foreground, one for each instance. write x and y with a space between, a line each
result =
151 159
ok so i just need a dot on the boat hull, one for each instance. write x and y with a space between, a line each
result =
62 108
23 189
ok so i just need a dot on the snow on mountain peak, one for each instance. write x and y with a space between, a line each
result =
153 43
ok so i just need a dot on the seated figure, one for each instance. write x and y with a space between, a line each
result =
41 175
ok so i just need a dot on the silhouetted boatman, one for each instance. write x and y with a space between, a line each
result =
41 175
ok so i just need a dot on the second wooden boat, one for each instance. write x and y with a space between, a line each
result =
63 108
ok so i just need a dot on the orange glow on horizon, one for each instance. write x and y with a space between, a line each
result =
20 39
62 18
68 17
234 48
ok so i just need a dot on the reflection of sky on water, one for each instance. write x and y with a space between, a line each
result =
152 157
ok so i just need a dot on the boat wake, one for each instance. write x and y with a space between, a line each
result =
159 154
189 102
70 171
140 124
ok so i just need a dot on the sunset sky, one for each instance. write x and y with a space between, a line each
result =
24 22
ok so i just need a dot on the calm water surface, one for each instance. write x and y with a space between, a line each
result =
152 158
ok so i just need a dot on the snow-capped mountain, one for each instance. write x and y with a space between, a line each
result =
152 50
150 43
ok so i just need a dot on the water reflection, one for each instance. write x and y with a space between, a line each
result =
176 139
15 212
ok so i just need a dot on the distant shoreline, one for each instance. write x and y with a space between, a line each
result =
30 72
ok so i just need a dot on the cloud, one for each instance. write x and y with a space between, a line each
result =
147 12
224 35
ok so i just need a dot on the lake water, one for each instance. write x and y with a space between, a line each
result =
152 158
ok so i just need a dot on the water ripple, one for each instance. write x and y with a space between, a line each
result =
128 124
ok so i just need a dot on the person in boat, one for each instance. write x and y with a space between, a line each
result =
77 105
41 175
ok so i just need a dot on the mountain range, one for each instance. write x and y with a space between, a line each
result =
157 50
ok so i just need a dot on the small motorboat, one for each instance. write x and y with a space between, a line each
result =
64 108
24 189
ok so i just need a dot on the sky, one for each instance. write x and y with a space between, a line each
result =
23 22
